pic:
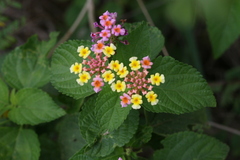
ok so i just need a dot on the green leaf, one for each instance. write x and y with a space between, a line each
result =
4 94
33 107
40 47
88 122
70 139
223 23
119 137
118 152
142 136
80 155
20 144
184 90
46 46
156 41
165 123
190 145
64 81
143 41
109 112
23 68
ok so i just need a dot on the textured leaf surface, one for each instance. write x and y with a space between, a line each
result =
23 68
88 122
118 152
80 155
70 139
156 41
184 90
190 145
18 144
64 81
33 107
223 23
165 123
143 41
109 111
4 94
119 137
142 136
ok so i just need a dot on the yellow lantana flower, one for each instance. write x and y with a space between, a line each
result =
83 78
109 50
108 76
115 65
119 86
83 52
76 68
136 101
152 98
135 64
123 72
157 79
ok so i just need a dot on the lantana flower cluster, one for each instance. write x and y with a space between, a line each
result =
95 67
132 81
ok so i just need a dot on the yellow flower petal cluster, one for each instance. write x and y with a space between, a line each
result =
135 64
115 65
119 86
76 68
157 79
109 50
83 51
136 101
108 76
152 98
123 72
83 78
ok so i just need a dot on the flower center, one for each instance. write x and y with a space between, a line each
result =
146 62
108 23
76 68
117 30
105 17
104 34
119 86
97 84
156 79
99 46
125 100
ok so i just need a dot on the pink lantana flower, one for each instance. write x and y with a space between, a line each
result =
105 34
105 16
118 30
113 15
107 24
125 100
146 62
98 47
97 83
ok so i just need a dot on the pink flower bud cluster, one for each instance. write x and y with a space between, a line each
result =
95 65
137 82
109 29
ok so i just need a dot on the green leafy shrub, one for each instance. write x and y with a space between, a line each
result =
124 97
